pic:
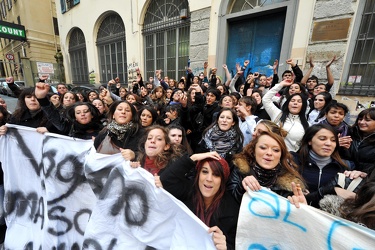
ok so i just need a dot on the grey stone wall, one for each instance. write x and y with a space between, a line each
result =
199 36
323 51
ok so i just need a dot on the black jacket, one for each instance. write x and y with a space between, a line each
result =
174 180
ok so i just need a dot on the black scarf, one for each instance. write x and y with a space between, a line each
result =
266 177
120 130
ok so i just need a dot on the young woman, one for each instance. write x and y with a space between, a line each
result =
177 135
103 109
92 95
158 96
260 111
319 162
294 88
290 117
147 116
4 116
172 113
55 99
122 132
317 114
205 194
266 162
362 148
122 93
223 136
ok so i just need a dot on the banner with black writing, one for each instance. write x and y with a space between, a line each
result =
132 213
269 221
49 203
47 199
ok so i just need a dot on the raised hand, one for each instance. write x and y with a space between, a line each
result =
311 62
330 62
41 89
298 197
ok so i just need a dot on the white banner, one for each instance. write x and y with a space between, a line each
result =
132 213
47 198
269 221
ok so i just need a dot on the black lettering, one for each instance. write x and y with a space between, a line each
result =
40 212
76 219
52 217
138 215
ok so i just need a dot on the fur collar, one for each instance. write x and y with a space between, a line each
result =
283 181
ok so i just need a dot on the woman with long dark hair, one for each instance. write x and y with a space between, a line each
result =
317 114
291 117
122 132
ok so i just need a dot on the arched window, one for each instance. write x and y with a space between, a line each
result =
112 49
241 5
166 33
78 57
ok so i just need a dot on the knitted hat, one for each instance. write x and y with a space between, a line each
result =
222 162
214 92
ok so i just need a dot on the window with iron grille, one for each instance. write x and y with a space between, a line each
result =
112 49
360 79
166 32
78 57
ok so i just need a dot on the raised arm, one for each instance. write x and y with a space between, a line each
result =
227 75
330 78
308 73
272 110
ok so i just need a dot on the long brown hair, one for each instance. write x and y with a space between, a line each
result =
286 160
205 213
162 159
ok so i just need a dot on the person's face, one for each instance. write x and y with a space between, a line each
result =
150 79
122 92
195 80
287 76
267 152
55 99
319 89
61 89
257 97
227 102
225 120
177 96
99 105
171 83
159 93
171 114
262 81
208 183
169 93
32 103
319 102
144 91
201 76
192 95
311 84
259 129
294 88
221 89
68 99
295 105
241 88
175 135
123 114
83 114
366 125
213 71
93 96
146 118
131 99
247 107
210 98
181 85
335 116
3 103
323 143
149 86
155 143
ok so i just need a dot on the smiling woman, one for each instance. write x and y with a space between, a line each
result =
266 162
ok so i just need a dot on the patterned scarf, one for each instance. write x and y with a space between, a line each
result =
341 129
220 141
266 177
120 130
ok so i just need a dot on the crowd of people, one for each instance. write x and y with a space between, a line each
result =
207 141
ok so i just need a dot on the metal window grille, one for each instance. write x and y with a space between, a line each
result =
166 33
78 57
112 49
361 76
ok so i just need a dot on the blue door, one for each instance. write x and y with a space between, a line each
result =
257 39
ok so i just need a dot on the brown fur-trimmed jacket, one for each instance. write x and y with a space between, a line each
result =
241 169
